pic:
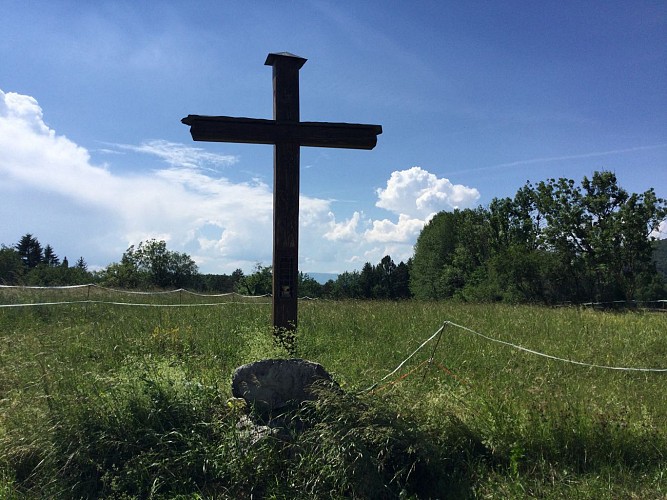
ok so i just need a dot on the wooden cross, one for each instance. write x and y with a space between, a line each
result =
287 134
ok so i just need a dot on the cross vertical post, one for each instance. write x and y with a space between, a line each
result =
286 155
287 134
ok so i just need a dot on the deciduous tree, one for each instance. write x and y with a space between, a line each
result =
11 266
151 264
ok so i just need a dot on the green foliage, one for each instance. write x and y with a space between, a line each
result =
81 264
44 275
347 285
553 242
449 250
601 234
221 283
30 251
660 257
151 264
308 287
260 282
385 280
27 264
11 266
103 400
50 258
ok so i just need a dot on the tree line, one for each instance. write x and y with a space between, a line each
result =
553 242
151 265
385 280
28 263
148 265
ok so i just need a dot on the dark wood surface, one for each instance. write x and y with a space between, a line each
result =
287 133
258 131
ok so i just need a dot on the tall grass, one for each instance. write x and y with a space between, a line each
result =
126 401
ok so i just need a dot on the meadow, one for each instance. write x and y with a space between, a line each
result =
104 399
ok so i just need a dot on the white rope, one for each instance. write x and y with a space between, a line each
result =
590 365
509 344
634 302
132 304
93 285
407 359
197 294
44 287
136 292
227 294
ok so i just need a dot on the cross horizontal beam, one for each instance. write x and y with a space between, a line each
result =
259 131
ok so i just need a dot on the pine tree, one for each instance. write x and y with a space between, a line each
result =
50 258
30 251
82 264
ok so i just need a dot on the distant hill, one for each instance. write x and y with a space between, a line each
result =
660 256
322 278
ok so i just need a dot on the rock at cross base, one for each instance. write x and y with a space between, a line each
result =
274 384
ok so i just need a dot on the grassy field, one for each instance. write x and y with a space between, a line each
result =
119 401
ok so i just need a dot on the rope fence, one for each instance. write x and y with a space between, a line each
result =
179 291
439 333
133 304
89 286
135 292
653 305
556 358
621 305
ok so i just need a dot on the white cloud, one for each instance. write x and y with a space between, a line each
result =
32 154
419 193
405 230
52 189
174 203
414 195
661 232
343 231
180 155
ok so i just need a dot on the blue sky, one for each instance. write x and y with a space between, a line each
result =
475 99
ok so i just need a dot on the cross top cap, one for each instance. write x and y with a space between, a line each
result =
275 57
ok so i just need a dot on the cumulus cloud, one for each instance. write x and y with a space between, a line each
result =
414 195
177 203
34 155
418 193
343 231
53 189
405 230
